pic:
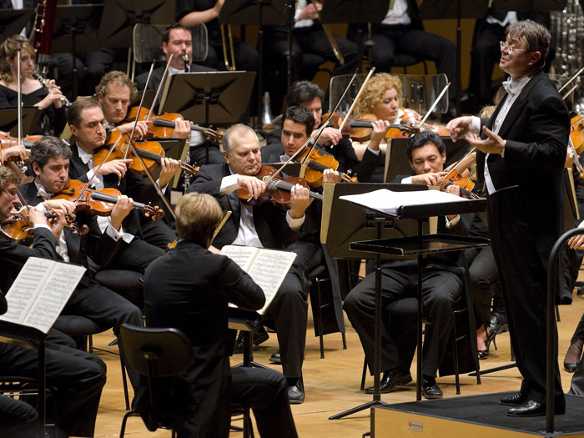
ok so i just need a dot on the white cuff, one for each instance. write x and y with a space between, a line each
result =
452 223
229 183
475 124
293 223
373 151
407 180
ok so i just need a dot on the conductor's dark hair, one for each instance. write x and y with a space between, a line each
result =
47 148
299 114
420 140
302 92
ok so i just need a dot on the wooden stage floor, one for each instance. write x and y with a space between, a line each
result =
332 384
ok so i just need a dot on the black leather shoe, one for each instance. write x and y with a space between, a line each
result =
573 356
516 398
391 380
532 408
430 389
295 395
276 359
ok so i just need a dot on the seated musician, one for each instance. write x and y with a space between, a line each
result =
76 378
50 163
309 96
201 400
177 42
86 120
381 100
441 288
46 96
263 225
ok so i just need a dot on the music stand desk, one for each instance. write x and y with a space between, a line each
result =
416 247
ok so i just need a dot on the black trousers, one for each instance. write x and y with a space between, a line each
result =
483 276
74 377
440 289
522 254
135 256
158 233
418 43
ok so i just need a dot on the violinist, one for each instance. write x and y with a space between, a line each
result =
50 163
266 225
442 287
86 120
47 96
177 41
77 377
115 92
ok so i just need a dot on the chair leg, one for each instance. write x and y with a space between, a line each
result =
124 421
344 338
319 316
90 343
455 360
247 424
364 375
125 383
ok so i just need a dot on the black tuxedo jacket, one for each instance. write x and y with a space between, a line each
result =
536 128
269 219
100 248
13 255
196 302
157 76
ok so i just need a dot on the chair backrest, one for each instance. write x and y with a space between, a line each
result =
147 42
418 91
155 352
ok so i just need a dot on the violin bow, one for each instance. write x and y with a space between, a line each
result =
357 97
313 140
433 106
133 148
569 81
162 80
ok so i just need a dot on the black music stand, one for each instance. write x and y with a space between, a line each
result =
415 246
31 119
261 13
208 97
13 21
75 32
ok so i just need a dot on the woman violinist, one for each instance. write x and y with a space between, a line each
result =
45 95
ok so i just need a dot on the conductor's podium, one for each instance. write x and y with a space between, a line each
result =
470 417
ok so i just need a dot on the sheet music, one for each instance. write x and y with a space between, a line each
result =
268 271
267 267
390 202
39 293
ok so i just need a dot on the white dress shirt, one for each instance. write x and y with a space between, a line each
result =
398 14
513 87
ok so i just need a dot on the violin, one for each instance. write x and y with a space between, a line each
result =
577 133
315 163
18 225
91 202
278 188
360 129
459 173
151 153
163 125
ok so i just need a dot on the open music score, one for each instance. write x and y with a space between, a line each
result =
39 293
267 267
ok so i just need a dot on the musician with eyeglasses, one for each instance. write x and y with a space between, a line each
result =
523 144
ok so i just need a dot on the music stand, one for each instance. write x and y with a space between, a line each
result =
31 118
13 21
76 28
261 13
417 246
208 97
353 11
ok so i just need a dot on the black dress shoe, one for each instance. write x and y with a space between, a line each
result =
533 408
276 359
391 380
516 398
295 395
430 389
573 356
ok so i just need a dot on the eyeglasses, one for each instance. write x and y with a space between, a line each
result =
510 47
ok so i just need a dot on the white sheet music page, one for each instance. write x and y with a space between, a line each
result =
390 202
39 293
267 267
